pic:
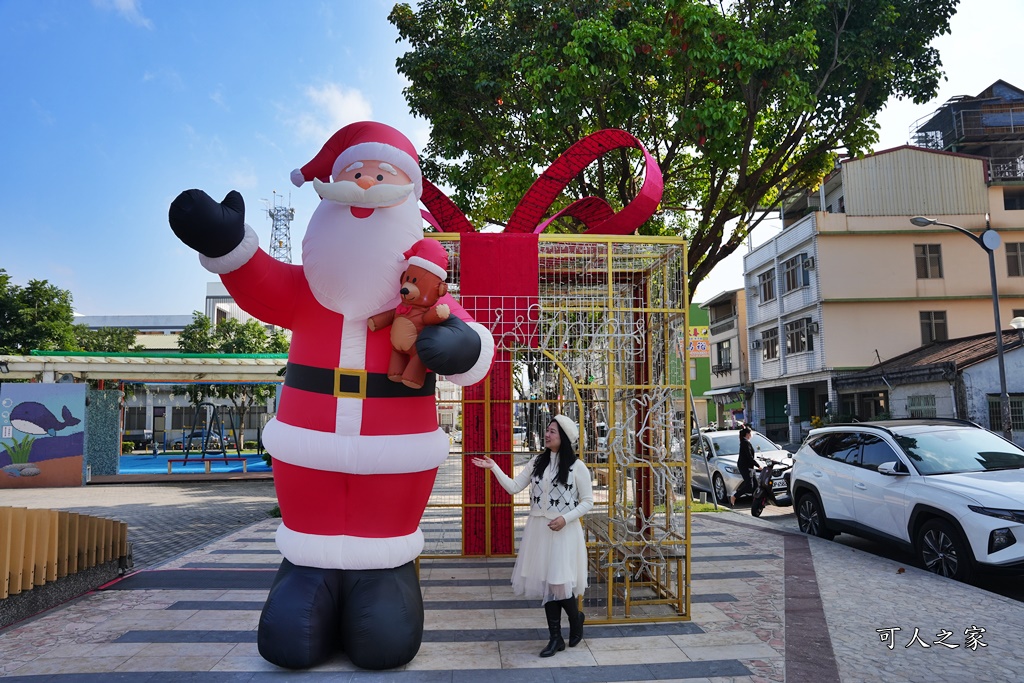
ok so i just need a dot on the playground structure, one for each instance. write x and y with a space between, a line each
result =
603 341
208 429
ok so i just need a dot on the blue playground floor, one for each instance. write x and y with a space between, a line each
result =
157 464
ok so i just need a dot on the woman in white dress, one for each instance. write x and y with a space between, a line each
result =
552 559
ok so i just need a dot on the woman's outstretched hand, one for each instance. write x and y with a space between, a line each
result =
484 462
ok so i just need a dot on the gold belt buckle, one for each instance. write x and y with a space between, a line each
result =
359 375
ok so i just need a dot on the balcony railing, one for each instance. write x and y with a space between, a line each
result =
990 124
724 326
1003 168
721 368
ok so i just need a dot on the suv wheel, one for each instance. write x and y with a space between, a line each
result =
721 493
942 550
811 518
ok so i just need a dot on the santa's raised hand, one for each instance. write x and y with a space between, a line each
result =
212 228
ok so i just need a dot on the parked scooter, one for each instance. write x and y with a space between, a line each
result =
765 481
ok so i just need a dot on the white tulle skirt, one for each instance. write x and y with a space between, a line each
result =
550 565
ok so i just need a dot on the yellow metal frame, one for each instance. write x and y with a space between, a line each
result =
617 307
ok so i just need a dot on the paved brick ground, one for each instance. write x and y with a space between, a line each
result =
164 520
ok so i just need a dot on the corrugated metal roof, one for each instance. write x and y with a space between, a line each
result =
910 181
959 353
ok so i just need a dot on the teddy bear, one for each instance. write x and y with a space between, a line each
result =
422 284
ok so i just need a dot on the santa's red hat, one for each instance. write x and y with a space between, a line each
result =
365 140
429 255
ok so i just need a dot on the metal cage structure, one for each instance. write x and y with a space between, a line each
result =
603 341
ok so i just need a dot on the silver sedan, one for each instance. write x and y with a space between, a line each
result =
713 465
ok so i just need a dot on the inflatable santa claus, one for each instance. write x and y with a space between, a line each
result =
355 454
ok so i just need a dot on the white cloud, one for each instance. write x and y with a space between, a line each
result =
243 179
329 108
44 114
130 10
165 76
218 97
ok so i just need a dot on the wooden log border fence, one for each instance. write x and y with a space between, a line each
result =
41 546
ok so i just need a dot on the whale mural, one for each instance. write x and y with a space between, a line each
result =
35 418
42 435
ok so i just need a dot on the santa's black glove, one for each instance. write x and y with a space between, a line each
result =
210 228
449 348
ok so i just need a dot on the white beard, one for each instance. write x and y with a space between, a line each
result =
354 265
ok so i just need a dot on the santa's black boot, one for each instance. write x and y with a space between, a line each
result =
299 624
381 616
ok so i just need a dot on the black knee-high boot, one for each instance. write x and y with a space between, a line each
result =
576 617
553 612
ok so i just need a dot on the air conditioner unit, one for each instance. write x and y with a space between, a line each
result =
809 263
752 292
755 343
813 328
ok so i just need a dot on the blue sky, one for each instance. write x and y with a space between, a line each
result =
111 107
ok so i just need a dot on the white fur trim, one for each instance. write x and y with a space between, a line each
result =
429 266
379 151
237 257
297 178
390 454
348 413
348 552
483 363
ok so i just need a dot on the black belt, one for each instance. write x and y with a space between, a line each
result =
345 383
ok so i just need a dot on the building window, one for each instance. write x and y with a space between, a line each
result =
254 417
723 352
921 406
722 311
995 413
1013 198
842 205
135 418
770 344
929 261
1015 259
933 327
178 417
798 337
793 274
766 285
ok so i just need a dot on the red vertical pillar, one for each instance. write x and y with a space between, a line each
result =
498 286
487 411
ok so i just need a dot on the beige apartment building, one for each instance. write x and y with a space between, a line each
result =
727 341
850 283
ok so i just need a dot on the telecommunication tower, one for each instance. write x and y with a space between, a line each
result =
281 217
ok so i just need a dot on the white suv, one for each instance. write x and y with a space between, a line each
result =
947 490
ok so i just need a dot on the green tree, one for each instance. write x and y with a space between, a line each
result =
37 316
109 339
231 336
741 103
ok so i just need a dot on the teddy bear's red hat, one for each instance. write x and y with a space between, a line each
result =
429 255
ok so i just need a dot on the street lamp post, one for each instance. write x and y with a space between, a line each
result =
989 241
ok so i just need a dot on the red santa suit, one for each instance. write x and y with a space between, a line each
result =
355 454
